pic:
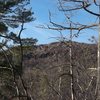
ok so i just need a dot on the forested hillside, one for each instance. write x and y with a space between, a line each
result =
63 70
46 71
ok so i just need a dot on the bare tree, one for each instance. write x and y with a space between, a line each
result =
68 7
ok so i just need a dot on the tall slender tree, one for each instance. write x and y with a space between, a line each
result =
68 7
13 14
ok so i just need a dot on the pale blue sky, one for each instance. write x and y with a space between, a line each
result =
41 8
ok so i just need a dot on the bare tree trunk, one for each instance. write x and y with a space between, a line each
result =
71 67
97 91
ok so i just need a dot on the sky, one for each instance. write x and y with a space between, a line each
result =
41 10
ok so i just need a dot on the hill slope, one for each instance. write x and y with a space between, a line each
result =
47 71
50 66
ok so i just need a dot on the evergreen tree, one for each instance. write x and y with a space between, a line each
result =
13 14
